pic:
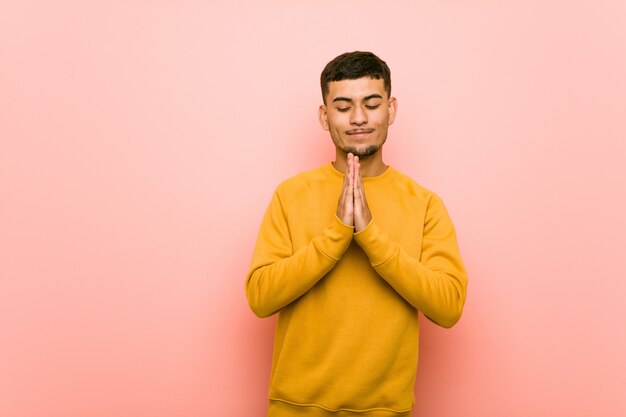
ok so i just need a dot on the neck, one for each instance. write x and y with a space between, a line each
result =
371 166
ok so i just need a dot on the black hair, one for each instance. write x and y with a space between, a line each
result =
355 65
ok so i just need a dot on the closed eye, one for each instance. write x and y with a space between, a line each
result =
343 109
372 107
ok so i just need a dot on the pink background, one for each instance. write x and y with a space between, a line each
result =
141 142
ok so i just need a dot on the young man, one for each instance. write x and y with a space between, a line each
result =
347 255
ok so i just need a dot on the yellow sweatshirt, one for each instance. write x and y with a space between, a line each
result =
347 334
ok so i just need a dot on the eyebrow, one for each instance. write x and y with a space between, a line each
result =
349 100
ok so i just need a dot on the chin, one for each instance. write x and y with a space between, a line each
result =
363 152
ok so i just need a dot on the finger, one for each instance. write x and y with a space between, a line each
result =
345 207
359 190
362 215
346 182
350 177
343 196
350 170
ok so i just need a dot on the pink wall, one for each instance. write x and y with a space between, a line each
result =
141 142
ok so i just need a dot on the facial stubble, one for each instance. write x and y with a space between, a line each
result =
363 153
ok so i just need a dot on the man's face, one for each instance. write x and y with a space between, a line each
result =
357 114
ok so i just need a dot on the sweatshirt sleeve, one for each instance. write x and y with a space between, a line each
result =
436 284
279 275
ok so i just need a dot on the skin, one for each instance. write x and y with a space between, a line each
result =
352 208
357 114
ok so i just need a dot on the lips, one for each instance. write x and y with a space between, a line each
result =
359 131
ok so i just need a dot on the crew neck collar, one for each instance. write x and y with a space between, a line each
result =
335 173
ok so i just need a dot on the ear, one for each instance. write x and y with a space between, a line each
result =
392 109
323 117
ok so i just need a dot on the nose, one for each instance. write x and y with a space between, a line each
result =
358 116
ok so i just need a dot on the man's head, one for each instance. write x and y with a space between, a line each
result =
358 108
354 65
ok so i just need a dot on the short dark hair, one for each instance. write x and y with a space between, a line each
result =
355 65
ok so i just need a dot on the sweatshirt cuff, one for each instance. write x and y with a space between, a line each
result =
375 244
335 240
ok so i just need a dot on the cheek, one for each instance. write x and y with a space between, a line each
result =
336 135
335 125
382 120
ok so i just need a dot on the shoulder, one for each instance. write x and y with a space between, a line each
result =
304 179
291 188
433 206
406 185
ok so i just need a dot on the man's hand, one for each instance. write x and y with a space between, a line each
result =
362 215
352 208
345 208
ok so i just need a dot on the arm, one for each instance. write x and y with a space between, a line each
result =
278 276
435 284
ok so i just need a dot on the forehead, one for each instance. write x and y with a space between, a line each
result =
355 89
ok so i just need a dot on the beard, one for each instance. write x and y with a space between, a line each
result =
363 153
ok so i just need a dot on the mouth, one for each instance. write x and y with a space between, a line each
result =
359 132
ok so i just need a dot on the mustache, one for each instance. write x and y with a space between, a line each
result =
354 131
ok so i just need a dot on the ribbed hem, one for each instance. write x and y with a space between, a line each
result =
278 408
